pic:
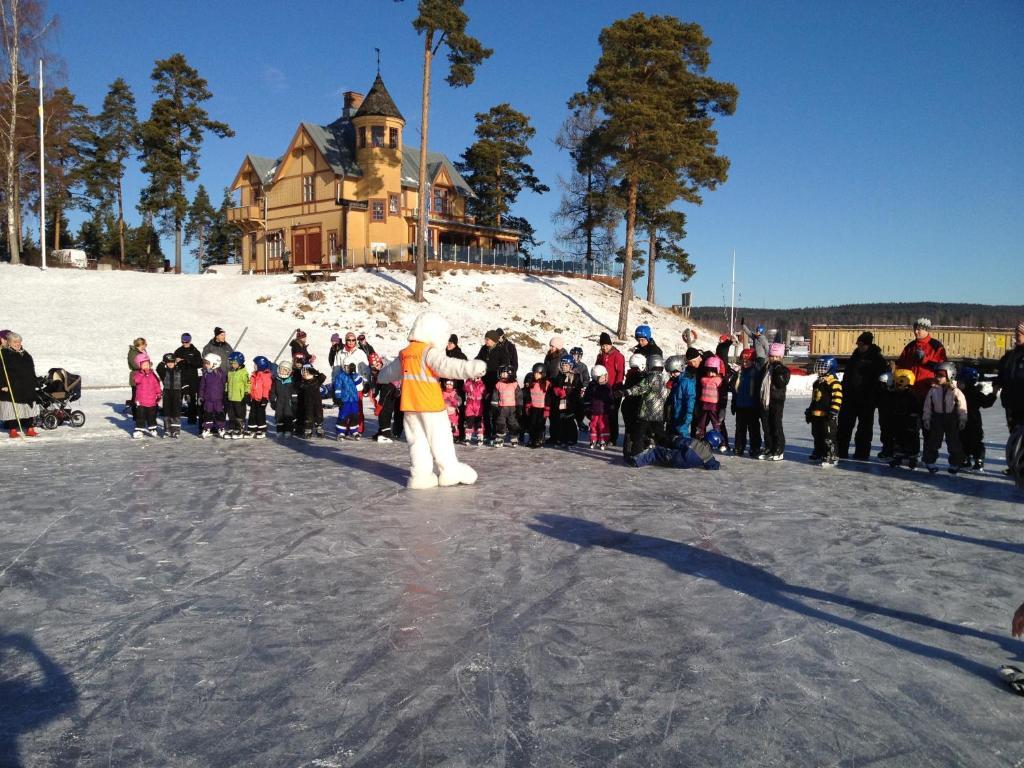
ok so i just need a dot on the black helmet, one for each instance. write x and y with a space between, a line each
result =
169 357
538 367
506 370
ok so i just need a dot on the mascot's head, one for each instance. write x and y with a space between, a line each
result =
430 328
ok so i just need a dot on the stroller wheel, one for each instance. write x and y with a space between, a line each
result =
49 420
77 419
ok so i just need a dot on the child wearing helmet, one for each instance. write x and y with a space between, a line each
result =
566 392
682 396
773 403
309 419
978 395
653 392
347 386
173 384
452 403
943 415
746 403
905 420
238 395
645 343
474 390
284 399
147 394
685 453
259 396
709 397
537 405
630 407
823 412
597 400
385 397
212 388
884 388
503 405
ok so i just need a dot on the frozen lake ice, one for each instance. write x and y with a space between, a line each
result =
214 603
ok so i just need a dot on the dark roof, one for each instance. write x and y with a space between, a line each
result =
378 102
435 162
264 167
336 143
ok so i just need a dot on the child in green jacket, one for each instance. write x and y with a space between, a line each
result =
238 396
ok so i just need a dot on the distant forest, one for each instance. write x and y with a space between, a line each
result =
799 321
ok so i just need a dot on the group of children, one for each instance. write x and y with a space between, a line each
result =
661 401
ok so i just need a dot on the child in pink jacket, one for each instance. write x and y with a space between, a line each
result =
452 402
474 391
148 392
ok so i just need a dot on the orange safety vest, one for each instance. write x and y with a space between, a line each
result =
421 391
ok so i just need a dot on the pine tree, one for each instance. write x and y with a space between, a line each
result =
495 166
201 221
657 109
116 139
68 137
441 22
171 140
223 245
588 211
665 229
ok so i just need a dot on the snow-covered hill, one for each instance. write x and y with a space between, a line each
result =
85 321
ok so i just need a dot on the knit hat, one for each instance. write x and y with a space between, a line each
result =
556 342
493 336
186 337
866 338
604 338
5 333
500 331
453 339
284 367
1020 327
218 331
692 353
300 334
335 338
724 338
776 349
922 323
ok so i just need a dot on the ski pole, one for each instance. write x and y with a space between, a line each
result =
14 402
289 341
235 346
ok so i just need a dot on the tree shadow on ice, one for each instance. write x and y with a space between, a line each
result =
34 691
765 586
990 486
1005 546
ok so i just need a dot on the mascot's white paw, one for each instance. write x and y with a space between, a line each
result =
463 473
419 482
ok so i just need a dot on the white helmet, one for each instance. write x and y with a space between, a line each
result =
213 359
598 371
638 361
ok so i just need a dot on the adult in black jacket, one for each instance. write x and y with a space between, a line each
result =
553 358
860 398
1010 382
510 351
300 344
496 356
646 347
218 345
452 349
17 387
190 363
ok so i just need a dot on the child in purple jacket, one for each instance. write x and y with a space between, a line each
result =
212 391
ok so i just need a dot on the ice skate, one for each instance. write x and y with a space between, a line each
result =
150 432
137 434
932 468
205 434
1014 677
382 439
357 437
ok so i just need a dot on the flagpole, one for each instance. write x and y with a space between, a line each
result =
42 176
732 306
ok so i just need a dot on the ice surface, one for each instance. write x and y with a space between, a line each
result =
213 603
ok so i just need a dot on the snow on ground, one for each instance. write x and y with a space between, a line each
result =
85 321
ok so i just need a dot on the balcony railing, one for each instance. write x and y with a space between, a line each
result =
245 213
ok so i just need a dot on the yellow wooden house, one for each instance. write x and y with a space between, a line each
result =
346 194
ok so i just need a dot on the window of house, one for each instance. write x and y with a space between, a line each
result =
377 210
377 135
332 243
393 138
307 189
440 200
393 205
275 245
362 137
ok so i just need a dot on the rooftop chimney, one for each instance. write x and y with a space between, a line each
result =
353 101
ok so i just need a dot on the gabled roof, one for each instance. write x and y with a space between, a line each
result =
264 167
379 102
336 142
435 162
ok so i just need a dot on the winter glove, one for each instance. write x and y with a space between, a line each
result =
807 415
712 463
962 423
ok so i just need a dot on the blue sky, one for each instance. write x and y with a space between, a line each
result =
876 151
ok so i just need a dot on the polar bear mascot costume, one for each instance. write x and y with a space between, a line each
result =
419 367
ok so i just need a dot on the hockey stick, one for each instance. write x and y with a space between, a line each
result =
289 341
244 330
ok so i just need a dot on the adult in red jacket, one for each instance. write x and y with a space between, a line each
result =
613 360
922 356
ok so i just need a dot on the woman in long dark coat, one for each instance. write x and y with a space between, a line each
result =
17 388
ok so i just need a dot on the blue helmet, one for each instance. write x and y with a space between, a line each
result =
713 438
237 357
567 360
643 332
759 330
261 363
969 375
826 365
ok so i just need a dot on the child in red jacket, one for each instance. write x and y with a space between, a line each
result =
450 395
474 390
148 392
259 395
536 405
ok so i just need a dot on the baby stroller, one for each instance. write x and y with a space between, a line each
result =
53 393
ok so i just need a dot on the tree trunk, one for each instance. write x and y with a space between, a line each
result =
56 227
177 248
627 261
120 217
422 234
590 224
10 175
652 258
